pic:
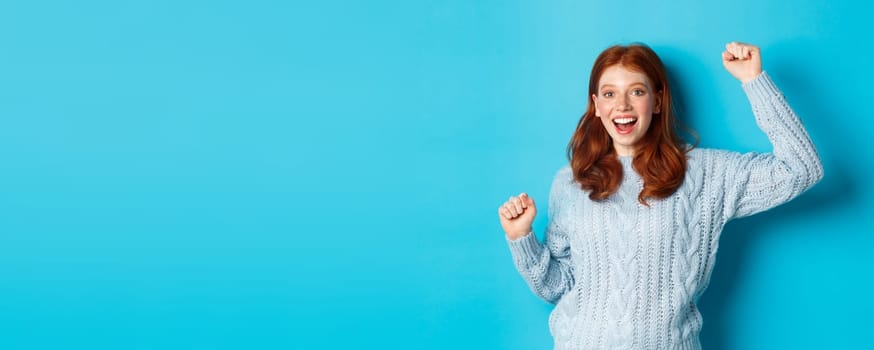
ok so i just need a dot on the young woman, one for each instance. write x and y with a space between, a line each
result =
635 218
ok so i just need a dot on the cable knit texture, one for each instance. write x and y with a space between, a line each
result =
626 276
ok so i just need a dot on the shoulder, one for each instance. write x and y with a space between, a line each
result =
563 183
717 163
564 172
563 177
563 188
710 156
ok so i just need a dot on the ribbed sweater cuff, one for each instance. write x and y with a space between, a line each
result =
761 89
526 250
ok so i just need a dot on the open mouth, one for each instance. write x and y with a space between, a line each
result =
625 124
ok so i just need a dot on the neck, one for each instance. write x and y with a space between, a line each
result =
622 151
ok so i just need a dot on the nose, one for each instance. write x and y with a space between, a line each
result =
622 103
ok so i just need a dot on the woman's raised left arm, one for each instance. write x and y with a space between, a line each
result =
756 182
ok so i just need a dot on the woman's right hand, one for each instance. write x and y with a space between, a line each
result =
517 215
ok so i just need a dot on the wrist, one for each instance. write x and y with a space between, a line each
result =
750 78
518 234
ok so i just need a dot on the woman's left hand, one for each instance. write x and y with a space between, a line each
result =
743 61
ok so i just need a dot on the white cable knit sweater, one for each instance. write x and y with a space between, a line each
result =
626 276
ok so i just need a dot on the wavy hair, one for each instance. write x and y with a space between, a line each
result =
659 157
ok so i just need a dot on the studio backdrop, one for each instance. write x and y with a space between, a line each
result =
326 175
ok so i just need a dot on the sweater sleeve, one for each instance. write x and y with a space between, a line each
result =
757 182
547 267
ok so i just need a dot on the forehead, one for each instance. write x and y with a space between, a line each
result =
618 75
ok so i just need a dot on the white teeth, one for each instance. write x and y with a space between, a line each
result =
624 120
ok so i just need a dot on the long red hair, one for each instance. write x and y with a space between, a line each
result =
659 157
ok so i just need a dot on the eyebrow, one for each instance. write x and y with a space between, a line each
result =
632 84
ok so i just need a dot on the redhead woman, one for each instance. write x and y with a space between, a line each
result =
634 219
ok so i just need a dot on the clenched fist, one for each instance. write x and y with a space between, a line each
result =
517 215
743 61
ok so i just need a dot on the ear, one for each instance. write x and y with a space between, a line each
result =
657 106
597 109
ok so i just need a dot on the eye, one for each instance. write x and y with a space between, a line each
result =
607 94
638 92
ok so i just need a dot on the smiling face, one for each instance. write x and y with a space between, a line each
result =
625 103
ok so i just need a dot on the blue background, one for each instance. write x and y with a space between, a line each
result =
274 175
